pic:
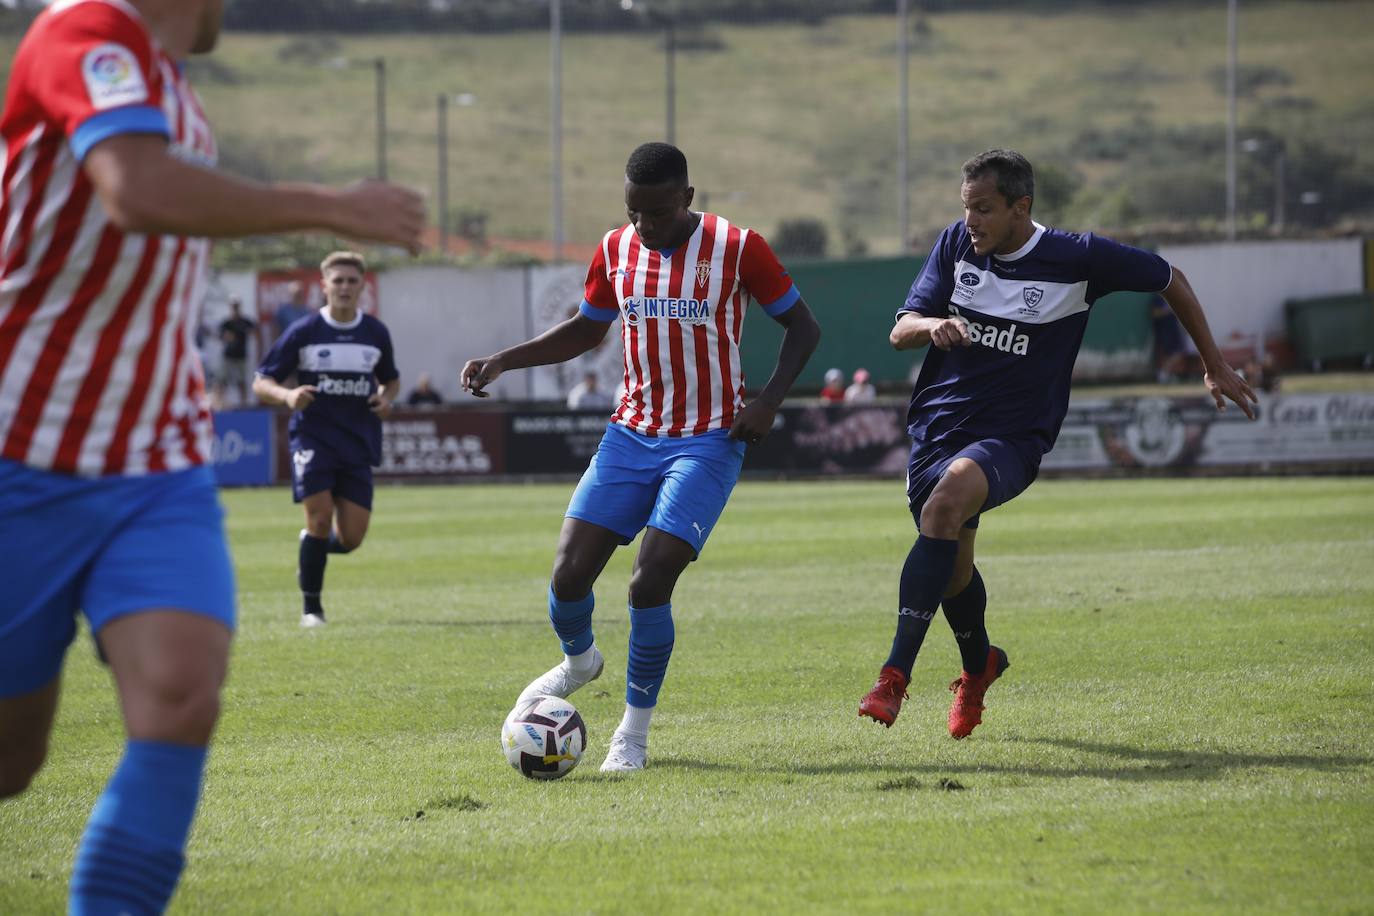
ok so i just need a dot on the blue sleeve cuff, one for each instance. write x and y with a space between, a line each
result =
596 314
782 304
133 119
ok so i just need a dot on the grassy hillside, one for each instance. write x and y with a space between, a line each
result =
794 121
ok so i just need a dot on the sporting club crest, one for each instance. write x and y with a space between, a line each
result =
703 272
1032 295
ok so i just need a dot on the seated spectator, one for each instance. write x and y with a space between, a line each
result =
861 391
423 392
587 394
293 309
1170 350
833 392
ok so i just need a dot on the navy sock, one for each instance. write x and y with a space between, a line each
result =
925 575
130 856
310 574
572 621
964 612
651 645
336 546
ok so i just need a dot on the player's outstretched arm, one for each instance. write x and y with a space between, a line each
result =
560 343
145 189
1221 380
800 336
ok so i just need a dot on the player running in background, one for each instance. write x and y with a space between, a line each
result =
107 503
1004 301
346 382
680 281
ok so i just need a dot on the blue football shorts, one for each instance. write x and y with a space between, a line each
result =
315 470
675 484
105 546
1010 465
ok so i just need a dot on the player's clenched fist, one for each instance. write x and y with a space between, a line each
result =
950 332
382 212
479 373
302 397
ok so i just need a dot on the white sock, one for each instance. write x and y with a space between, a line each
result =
635 724
583 662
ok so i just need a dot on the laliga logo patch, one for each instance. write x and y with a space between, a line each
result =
113 77
631 311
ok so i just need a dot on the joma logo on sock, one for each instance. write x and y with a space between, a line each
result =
919 615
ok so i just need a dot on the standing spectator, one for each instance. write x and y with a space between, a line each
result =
234 332
292 310
862 390
587 394
833 392
423 393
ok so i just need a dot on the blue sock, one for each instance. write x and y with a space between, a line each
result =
310 573
130 857
964 612
572 621
651 645
925 575
335 545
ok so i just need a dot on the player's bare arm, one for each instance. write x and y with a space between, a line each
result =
270 391
800 336
1221 380
560 343
383 401
913 331
145 189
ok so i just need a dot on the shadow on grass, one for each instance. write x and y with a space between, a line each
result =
1135 764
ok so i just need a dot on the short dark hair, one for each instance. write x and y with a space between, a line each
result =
657 163
1015 178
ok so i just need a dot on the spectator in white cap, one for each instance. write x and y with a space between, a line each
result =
833 392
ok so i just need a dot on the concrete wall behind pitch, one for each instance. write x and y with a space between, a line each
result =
1243 285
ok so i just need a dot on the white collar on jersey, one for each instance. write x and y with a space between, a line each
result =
339 325
1024 250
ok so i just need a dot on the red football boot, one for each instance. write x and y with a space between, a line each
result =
967 711
884 701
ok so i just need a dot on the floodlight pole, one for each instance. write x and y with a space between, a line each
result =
1231 55
379 70
903 128
556 119
442 128
670 77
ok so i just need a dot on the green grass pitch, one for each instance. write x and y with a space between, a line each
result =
1186 726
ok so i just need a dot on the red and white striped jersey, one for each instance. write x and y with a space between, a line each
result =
681 316
99 373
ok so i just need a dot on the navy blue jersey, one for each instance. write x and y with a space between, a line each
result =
1026 313
347 363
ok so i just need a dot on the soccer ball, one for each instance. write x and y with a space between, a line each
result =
543 737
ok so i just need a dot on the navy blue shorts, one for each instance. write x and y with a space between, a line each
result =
1010 465
316 470
675 484
108 547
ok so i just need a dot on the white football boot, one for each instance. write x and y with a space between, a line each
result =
626 754
561 681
